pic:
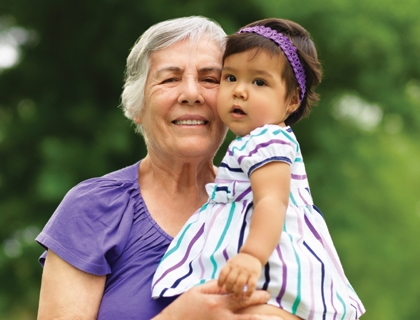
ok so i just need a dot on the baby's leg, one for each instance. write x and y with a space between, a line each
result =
267 309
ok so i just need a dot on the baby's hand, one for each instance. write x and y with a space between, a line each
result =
243 269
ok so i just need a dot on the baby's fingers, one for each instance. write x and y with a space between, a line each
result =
240 283
223 276
251 285
227 278
231 279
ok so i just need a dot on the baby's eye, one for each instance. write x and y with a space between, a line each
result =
230 78
259 82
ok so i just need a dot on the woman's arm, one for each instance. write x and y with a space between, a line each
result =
207 302
270 187
67 292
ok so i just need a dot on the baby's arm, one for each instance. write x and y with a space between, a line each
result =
270 187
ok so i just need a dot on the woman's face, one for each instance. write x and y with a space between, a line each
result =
179 116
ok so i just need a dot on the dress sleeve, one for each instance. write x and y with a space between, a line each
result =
90 227
264 145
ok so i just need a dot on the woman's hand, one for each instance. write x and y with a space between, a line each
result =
207 302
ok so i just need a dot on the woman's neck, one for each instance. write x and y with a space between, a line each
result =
173 191
177 176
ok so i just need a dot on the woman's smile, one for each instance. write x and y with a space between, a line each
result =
190 120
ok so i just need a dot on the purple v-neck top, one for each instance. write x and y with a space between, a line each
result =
103 227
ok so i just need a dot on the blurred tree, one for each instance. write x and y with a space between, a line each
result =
60 124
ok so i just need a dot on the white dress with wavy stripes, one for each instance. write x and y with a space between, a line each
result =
303 275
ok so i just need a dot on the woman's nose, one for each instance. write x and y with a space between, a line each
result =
190 92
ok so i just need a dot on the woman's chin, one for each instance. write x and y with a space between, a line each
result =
197 148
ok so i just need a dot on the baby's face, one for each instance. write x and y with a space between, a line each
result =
252 92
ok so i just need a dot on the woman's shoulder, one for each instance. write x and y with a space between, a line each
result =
112 185
114 194
129 173
95 217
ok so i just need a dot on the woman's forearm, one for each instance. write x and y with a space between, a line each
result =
206 302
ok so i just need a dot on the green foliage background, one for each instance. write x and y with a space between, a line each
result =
60 124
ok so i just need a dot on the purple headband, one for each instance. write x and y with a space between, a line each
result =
287 47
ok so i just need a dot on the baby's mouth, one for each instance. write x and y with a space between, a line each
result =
237 110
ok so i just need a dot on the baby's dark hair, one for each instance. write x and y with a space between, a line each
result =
306 51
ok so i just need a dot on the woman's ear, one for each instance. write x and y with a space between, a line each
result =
138 119
138 116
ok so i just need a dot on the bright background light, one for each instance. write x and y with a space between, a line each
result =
9 55
11 38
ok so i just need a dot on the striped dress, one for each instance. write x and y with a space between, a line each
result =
303 275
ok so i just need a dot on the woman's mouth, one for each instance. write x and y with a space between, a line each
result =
189 122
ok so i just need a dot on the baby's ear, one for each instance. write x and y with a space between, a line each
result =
294 101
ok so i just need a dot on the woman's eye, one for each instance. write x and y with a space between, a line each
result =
259 82
212 80
231 78
169 80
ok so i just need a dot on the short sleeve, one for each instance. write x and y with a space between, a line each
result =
90 226
264 145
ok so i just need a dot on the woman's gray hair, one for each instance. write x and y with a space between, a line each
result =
158 37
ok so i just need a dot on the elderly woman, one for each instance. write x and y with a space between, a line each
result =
108 235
